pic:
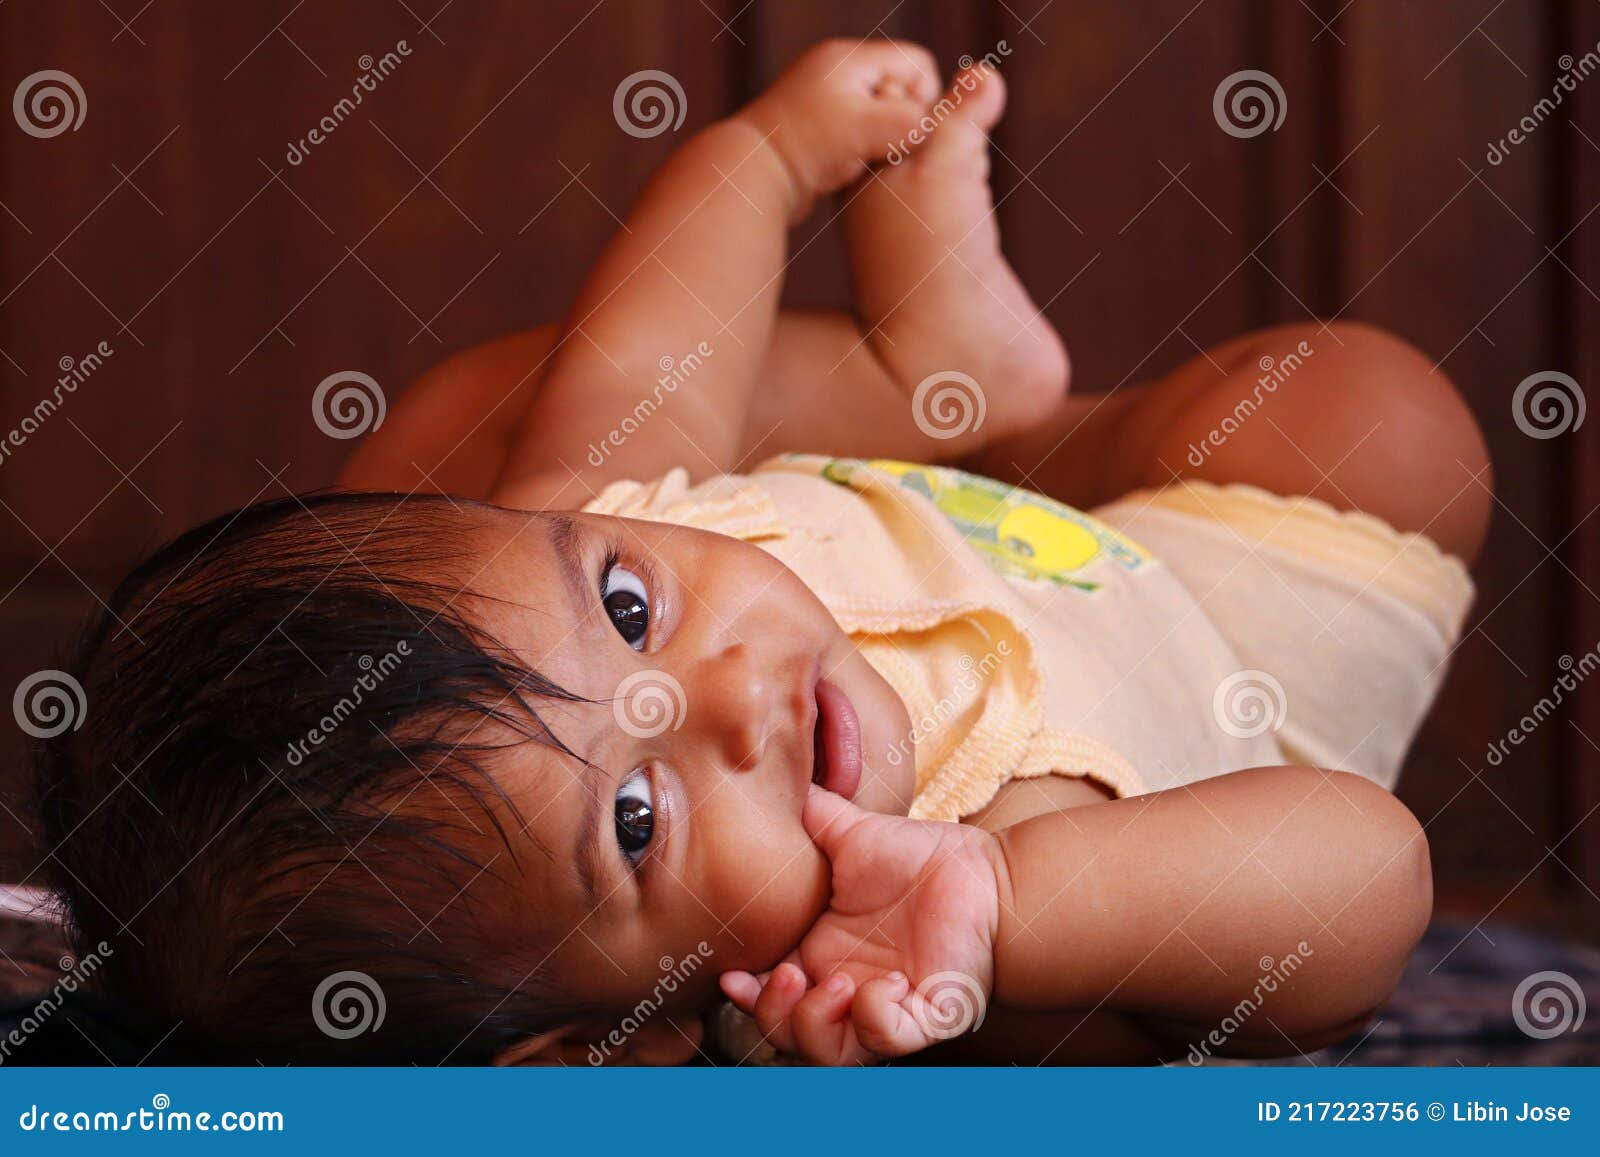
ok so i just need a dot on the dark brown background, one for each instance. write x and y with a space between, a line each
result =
466 196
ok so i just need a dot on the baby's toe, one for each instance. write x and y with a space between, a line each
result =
902 69
964 115
984 91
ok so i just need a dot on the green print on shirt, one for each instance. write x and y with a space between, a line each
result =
1019 532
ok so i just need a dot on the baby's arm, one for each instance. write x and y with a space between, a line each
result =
1299 890
700 260
945 352
1177 905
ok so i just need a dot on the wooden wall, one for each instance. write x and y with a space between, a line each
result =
465 195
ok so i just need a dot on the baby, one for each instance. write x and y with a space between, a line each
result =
564 721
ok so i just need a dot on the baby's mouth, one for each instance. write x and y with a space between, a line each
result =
836 742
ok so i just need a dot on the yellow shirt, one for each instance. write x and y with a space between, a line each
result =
1025 637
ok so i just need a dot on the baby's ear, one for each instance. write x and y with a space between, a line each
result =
661 1040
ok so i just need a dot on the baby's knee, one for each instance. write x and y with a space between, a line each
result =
1425 442
1360 377
1391 847
1347 413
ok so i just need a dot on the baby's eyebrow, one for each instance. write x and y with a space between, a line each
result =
565 541
586 847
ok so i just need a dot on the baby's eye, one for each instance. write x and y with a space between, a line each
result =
635 815
627 602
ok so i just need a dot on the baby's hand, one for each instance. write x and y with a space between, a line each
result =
902 958
843 105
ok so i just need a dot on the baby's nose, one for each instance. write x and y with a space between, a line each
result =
730 705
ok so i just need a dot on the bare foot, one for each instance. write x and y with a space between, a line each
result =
938 298
841 107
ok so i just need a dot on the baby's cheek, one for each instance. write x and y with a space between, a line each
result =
769 895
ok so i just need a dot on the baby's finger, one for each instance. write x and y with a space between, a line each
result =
882 1024
743 992
821 1022
828 819
782 992
741 988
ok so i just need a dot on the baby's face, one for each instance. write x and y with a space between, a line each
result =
723 687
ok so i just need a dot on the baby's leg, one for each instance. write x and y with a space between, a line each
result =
697 269
826 389
934 292
936 303
936 297
1345 413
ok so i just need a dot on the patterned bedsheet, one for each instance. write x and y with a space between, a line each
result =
1456 1005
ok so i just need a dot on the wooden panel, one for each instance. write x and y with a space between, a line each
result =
1579 292
1298 257
1135 210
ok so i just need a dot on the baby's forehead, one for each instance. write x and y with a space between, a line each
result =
550 769
551 801
527 584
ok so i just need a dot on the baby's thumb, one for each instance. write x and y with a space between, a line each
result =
829 818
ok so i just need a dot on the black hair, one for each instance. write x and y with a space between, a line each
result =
268 818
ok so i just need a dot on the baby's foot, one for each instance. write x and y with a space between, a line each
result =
842 106
933 288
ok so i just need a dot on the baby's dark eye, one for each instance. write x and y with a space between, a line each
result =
635 815
627 602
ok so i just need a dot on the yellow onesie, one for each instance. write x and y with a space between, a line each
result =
1168 637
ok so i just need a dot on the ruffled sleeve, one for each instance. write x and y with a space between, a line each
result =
727 504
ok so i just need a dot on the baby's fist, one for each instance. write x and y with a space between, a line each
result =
903 956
